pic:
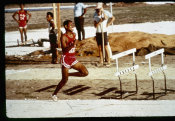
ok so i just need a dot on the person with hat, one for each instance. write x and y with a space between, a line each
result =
102 19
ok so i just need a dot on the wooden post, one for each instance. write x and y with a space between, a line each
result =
58 24
55 15
103 44
111 13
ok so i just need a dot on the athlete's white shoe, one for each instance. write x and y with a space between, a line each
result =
54 97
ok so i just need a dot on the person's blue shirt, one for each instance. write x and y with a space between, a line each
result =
79 9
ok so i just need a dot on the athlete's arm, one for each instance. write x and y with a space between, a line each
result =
64 46
29 16
76 41
52 26
14 16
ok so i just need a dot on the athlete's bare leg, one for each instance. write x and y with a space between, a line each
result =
65 74
25 33
82 72
21 33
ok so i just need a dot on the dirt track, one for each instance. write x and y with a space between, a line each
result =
38 81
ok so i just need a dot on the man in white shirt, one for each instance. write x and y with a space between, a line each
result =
101 23
79 11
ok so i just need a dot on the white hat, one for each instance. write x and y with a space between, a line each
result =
99 5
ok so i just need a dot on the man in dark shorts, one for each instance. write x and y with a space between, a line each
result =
52 38
68 60
101 23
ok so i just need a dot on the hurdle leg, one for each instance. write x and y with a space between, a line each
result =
153 88
136 83
33 42
165 81
18 42
120 87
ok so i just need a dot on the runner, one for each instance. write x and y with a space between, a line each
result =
22 21
68 60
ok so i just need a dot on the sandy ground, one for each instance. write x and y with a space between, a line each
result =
29 88
38 81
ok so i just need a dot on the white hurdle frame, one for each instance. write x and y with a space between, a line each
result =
133 68
161 69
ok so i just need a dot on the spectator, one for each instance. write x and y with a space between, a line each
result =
101 23
79 12
52 38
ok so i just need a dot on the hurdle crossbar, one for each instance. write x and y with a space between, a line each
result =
127 70
133 68
124 53
154 53
158 70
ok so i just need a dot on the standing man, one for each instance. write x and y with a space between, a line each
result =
79 11
52 38
102 19
68 60
22 21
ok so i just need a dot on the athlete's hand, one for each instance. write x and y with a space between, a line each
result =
18 21
75 42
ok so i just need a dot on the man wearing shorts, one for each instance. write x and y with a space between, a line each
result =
22 21
68 60
101 23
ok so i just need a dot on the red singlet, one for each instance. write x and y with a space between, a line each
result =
22 18
68 58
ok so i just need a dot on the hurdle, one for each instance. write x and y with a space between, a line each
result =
158 70
127 70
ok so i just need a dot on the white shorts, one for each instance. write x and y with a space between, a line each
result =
25 27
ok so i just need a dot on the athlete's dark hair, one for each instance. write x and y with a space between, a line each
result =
50 13
66 22
21 4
